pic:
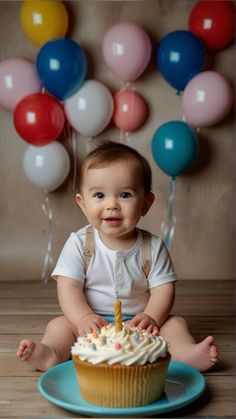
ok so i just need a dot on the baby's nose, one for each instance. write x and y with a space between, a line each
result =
112 203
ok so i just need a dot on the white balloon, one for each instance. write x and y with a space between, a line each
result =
90 109
46 167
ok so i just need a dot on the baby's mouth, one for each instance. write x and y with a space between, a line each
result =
112 220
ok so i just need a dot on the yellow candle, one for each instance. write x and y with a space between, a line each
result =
117 313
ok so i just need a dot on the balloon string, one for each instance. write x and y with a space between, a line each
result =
74 151
48 261
168 227
70 133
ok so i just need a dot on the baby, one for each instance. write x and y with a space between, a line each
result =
113 257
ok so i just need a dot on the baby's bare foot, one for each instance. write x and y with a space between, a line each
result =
25 349
40 356
203 355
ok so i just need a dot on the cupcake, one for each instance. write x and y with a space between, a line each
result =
120 369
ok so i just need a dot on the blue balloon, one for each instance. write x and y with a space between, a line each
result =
61 66
174 147
179 57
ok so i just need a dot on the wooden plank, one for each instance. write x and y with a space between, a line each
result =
32 289
183 306
17 324
29 306
199 305
22 399
11 366
37 289
205 287
35 324
9 342
217 401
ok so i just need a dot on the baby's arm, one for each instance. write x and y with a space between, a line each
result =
157 310
75 306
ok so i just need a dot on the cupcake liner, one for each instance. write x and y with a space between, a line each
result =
120 385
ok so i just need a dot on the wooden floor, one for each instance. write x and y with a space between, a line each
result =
26 307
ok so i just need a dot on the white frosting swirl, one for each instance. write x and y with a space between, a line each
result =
129 346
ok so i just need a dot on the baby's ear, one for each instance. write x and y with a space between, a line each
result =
80 201
147 203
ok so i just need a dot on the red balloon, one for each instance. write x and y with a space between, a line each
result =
130 110
213 22
39 119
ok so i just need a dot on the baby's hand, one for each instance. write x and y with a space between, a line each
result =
90 323
143 321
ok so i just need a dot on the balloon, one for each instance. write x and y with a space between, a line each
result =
61 66
43 20
46 167
130 110
90 109
214 23
206 99
180 56
174 147
39 119
126 50
18 78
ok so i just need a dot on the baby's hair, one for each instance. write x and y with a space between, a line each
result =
108 152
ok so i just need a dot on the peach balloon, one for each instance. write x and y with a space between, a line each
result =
130 110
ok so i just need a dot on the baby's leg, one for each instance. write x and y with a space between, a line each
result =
54 347
184 348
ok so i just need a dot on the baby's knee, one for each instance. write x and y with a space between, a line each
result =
57 322
174 322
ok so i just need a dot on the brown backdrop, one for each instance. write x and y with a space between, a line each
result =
203 243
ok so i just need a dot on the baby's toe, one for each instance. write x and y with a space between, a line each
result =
213 351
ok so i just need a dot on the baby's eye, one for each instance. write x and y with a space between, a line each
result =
125 195
99 195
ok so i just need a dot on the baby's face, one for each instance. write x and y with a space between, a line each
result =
112 198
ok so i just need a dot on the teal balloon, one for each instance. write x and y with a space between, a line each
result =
174 147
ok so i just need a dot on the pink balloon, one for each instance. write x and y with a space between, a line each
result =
130 110
18 78
206 99
126 50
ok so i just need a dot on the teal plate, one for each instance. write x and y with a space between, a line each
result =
184 384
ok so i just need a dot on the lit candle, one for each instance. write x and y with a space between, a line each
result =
117 313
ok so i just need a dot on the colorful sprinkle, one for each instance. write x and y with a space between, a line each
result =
103 329
136 338
102 340
117 346
93 347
